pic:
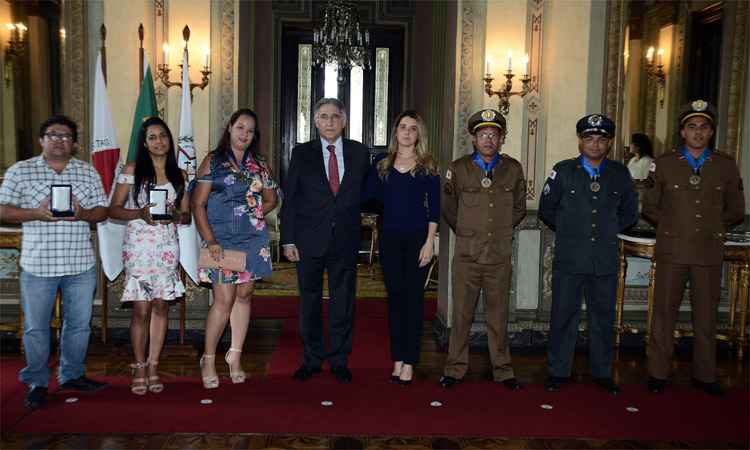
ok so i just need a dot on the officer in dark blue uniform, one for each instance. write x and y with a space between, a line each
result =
586 201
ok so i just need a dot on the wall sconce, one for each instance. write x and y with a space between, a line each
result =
656 71
506 91
163 69
15 48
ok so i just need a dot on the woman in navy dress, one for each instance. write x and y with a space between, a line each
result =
408 185
235 191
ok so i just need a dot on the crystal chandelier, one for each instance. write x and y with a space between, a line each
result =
339 40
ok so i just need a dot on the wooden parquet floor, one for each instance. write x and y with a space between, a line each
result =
113 359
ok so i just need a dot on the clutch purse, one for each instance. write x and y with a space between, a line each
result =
233 260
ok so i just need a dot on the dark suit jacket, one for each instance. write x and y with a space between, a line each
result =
310 211
586 223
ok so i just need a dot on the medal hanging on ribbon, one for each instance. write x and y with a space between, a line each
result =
696 164
486 168
593 172
595 186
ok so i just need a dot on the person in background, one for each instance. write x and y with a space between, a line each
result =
643 156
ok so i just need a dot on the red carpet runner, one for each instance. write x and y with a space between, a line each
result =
372 406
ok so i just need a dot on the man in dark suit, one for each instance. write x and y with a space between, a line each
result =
586 201
321 231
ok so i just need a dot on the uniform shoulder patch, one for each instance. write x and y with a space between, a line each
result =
652 167
552 175
448 174
546 188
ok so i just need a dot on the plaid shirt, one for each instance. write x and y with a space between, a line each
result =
51 249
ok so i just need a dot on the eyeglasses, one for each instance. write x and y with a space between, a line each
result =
333 117
54 137
489 136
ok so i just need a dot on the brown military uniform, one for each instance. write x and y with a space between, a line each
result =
691 221
483 220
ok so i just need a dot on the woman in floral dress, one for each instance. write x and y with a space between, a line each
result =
234 192
151 250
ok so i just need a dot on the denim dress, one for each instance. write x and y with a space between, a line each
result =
235 214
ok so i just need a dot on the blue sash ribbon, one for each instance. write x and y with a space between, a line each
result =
694 163
591 170
486 167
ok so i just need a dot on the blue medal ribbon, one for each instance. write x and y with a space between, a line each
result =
486 167
591 170
694 163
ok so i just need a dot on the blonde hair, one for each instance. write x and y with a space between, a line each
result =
424 161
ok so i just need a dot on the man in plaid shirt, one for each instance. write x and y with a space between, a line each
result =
56 253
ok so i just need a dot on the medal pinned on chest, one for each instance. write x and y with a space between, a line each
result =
595 186
695 178
486 181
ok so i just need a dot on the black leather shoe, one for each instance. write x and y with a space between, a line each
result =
36 398
511 384
553 383
447 382
304 373
607 384
656 385
342 373
713 388
83 384
404 383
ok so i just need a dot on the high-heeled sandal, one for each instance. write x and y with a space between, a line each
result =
238 376
154 383
403 381
211 382
139 386
396 372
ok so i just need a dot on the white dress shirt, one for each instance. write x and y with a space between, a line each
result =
339 144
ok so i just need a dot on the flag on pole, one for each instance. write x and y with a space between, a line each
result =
105 153
188 235
185 143
105 156
146 107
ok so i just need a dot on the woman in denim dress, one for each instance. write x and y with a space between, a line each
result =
234 192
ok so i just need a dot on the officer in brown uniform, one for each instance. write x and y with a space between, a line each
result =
484 198
694 194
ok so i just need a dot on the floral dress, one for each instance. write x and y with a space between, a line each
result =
150 253
235 213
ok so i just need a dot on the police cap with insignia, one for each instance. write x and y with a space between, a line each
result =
487 117
698 108
595 124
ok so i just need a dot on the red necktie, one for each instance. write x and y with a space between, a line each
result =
333 170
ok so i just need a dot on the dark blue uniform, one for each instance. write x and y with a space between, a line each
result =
586 224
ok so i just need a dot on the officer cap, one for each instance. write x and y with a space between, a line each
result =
487 117
595 124
698 108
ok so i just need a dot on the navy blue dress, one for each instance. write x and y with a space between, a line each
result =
236 217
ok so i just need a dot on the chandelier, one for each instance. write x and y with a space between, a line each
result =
339 40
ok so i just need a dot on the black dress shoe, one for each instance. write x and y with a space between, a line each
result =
656 385
712 388
304 373
404 383
553 383
447 382
36 398
607 384
342 373
511 384
83 384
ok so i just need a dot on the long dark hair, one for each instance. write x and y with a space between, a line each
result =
145 175
644 145
223 149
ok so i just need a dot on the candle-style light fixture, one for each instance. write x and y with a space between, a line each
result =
339 39
15 48
164 69
655 71
506 91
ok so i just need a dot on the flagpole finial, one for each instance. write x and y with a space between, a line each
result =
186 33
103 32
140 33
